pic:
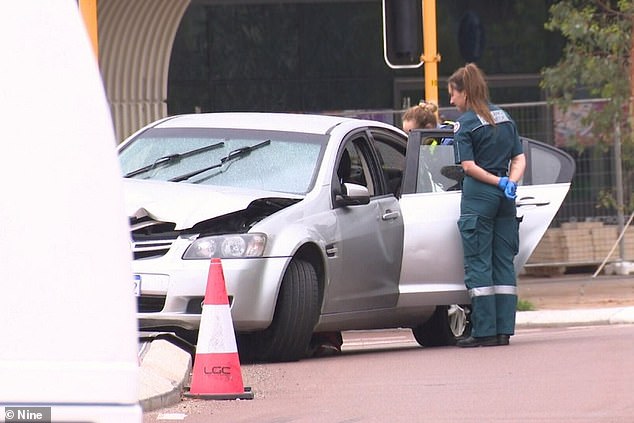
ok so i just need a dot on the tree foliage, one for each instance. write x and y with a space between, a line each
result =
596 63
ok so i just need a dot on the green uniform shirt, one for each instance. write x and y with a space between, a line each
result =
491 147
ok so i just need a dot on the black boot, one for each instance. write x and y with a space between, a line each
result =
484 341
503 339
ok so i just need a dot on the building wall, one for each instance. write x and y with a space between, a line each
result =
325 55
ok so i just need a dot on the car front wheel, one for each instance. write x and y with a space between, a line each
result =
447 324
296 314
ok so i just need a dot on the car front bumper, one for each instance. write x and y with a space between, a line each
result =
252 285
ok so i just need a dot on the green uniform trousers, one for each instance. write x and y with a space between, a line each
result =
490 237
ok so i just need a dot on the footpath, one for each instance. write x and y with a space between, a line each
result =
574 300
565 300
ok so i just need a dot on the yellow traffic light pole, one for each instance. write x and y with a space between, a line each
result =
88 9
430 56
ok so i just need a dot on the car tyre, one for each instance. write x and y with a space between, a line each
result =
296 314
445 327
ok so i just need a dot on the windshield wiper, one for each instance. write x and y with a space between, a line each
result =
172 158
234 154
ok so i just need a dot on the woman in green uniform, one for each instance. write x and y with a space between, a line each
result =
488 147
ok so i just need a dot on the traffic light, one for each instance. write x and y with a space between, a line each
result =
402 33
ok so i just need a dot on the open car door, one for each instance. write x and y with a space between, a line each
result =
432 270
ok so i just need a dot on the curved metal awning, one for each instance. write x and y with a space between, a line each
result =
135 45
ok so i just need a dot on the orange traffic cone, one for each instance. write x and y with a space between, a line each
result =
217 372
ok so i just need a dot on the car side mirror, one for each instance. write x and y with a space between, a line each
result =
352 195
452 173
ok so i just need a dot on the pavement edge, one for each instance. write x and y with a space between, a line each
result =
164 369
575 317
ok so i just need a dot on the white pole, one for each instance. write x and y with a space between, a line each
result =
618 182
618 240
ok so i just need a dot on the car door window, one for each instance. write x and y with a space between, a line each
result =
391 155
437 171
546 164
431 165
355 165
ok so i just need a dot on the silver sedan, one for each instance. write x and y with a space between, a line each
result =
319 224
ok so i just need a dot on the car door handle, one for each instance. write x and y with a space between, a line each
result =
390 215
531 201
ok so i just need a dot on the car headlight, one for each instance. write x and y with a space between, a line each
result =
226 246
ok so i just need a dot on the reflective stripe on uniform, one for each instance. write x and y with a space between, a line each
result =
499 116
482 292
505 289
493 290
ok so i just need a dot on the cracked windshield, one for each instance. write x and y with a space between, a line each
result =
272 161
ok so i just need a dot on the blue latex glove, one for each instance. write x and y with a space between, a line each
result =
510 190
502 183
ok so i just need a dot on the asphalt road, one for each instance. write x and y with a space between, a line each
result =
581 374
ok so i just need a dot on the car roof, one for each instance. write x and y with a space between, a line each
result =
291 122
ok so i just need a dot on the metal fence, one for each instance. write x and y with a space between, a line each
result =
584 231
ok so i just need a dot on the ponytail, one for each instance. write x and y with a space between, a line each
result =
470 79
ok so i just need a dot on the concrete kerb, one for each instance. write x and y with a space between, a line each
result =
165 368
575 317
